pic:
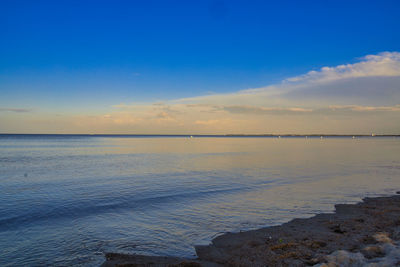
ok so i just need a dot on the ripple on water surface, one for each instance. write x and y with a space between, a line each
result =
66 200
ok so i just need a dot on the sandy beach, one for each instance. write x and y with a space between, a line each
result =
362 234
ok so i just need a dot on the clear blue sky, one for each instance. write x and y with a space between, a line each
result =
88 55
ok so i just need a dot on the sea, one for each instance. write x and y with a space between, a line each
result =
66 200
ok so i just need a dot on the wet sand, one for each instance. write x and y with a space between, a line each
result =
362 234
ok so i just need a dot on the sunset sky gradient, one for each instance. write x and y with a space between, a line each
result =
200 67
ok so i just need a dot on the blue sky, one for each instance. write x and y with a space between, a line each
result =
84 57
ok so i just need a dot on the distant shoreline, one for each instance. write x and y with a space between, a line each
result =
203 135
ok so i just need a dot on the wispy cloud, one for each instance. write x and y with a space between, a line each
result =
382 65
366 108
359 97
16 110
373 80
265 110
307 111
207 122
370 86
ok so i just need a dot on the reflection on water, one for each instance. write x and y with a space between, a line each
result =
67 200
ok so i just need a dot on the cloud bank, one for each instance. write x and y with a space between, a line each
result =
362 97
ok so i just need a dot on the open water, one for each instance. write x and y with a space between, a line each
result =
67 199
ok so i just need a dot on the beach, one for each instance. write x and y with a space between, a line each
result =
362 234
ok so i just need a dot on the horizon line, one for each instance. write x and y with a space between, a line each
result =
211 135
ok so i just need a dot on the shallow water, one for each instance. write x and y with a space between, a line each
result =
65 200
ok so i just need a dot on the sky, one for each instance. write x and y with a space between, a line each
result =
200 67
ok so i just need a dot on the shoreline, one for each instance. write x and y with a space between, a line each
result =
283 135
363 233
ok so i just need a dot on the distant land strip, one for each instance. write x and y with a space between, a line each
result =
201 135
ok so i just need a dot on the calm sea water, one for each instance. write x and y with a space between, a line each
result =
66 200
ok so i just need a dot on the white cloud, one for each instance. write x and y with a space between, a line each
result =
381 65
359 97
369 87
375 80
